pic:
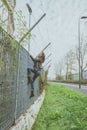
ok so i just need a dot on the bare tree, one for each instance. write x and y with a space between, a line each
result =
58 70
69 63
10 5
83 54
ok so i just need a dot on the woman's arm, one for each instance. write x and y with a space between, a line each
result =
32 57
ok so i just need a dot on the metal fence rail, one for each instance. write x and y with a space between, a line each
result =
14 90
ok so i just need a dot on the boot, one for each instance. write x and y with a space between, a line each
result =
32 94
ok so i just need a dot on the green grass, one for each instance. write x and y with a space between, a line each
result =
63 109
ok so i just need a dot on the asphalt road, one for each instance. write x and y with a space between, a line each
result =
83 88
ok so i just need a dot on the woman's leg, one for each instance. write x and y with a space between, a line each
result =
32 89
32 82
38 73
29 74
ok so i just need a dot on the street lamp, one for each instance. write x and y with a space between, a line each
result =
83 17
30 12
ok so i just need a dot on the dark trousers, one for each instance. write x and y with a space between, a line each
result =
36 74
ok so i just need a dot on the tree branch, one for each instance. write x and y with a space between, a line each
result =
6 3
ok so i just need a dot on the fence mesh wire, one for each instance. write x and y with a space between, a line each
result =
14 90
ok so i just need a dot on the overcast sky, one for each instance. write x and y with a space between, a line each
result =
59 26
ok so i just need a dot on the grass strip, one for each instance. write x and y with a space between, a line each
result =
63 109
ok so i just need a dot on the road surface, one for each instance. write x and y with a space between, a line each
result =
83 88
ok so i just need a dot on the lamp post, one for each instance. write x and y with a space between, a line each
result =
30 12
83 17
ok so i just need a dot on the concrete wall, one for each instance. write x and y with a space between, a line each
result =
27 119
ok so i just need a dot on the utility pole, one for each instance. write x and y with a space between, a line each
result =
30 12
83 17
79 53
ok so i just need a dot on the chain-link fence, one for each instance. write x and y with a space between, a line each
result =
14 87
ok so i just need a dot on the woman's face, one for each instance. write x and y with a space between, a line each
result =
40 54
